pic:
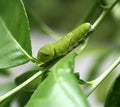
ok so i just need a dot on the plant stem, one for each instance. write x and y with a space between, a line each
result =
18 88
95 83
104 13
83 46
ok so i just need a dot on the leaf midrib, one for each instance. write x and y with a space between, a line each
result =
56 77
17 44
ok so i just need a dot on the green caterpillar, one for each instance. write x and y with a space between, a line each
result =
50 52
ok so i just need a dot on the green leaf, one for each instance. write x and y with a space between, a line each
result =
6 103
60 89
113 97
15 46
6 87
23 97
102 89
34 84
5 72
3 89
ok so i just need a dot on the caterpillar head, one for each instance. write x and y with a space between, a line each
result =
45 54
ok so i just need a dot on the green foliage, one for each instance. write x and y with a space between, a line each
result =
101 92
34 84
5 88
53 82
14 34
61 80
113 97
5 72
23 97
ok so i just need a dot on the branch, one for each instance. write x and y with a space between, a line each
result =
19 87
104 13
95 83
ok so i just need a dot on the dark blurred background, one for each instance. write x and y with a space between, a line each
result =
64 15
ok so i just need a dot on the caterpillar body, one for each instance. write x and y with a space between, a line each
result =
50 52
